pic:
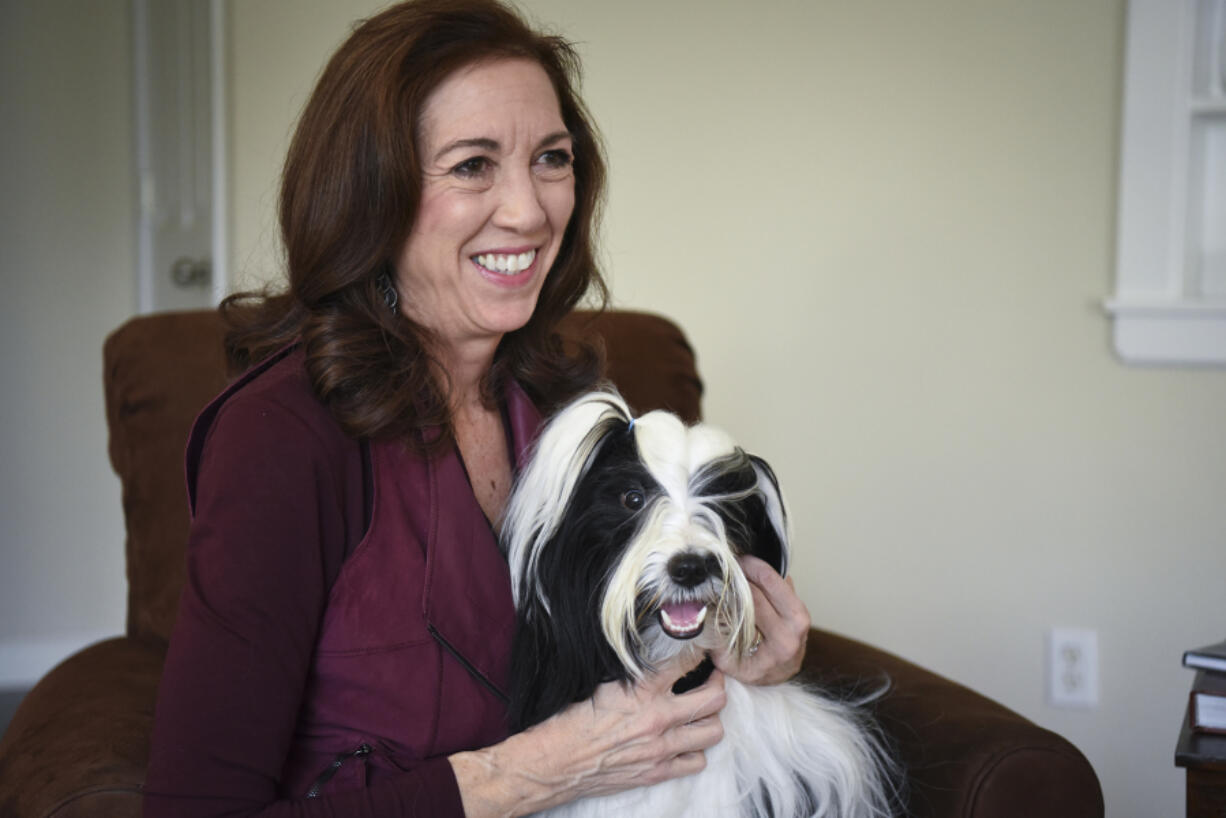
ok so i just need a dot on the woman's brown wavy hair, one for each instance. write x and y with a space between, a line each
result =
349 196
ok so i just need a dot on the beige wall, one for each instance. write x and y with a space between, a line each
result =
67 216
888 228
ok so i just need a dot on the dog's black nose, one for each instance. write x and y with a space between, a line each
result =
689 569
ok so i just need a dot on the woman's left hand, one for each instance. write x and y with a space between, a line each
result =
783 623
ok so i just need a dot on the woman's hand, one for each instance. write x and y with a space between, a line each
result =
624 736
783 625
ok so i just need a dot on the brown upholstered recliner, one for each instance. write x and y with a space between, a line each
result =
79 742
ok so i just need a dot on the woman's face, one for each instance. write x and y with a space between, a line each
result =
498 193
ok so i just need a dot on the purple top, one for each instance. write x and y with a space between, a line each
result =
305 635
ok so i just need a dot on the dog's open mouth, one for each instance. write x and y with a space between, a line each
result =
683 620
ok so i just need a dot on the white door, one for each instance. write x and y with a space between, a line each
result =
180 153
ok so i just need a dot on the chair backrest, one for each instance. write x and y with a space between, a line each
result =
160 370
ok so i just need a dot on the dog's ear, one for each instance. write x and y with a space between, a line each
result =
743 491
559 655
767 518
560 457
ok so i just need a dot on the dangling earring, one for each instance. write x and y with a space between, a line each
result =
390 296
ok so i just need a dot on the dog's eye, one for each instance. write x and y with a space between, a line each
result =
633 499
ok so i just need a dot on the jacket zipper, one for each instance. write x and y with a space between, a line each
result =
472 670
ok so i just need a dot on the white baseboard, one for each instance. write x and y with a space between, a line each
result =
24 661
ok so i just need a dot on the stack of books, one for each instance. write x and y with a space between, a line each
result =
1201 748
1207 706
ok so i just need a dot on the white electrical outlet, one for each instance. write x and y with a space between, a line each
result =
1072 661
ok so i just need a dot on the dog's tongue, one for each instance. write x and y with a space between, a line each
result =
683 614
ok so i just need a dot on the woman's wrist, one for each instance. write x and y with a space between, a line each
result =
491 788
482 793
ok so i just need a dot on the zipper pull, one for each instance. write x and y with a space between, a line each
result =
362 751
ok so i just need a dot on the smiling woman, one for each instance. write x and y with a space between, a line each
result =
343 639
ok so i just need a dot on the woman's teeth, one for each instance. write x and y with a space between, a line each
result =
506 264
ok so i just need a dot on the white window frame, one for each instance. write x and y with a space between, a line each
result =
1165 309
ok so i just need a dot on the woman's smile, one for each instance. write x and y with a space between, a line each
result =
506 264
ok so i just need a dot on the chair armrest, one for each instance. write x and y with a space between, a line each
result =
78 744
964 754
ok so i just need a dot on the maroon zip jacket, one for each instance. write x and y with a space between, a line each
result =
316 653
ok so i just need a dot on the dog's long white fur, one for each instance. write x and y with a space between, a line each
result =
773 738
785 746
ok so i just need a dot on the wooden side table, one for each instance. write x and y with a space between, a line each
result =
1203 757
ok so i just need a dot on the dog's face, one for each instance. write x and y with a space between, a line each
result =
622 538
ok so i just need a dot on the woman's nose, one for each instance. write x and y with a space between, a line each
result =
519 204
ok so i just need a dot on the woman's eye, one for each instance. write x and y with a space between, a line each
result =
633 499
472 168
555 162
556 158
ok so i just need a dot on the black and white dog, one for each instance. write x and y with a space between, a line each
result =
622 536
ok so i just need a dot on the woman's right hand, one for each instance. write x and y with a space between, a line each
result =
624 736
